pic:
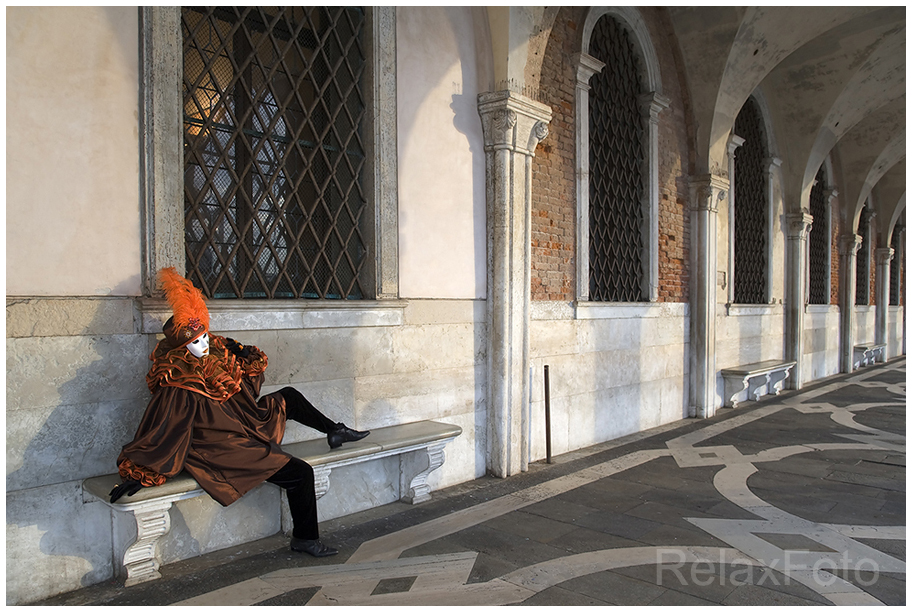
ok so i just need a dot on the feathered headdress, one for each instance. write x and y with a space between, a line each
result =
191 317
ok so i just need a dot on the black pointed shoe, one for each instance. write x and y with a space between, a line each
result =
341 434
314 548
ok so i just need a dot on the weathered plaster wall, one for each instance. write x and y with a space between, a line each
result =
442 65
72 192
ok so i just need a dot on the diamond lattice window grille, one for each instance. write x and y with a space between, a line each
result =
818 242
274 156
863 260
750 208
896 263
616 168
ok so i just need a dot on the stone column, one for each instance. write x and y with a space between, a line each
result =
882 293
848 247
706 193
513 125
799 225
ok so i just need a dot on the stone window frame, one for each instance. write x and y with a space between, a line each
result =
867 245
830 193
772 163
896 264
652 103
162 188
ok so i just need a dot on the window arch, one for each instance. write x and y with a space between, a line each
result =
863 260
617 107
819 242
751 233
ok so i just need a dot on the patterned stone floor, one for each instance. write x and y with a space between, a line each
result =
794 500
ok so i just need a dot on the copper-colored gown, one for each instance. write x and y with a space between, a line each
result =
204 418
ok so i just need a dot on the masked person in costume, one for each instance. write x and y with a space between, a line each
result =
204 417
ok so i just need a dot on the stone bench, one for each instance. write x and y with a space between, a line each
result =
419 447
754 380
868 354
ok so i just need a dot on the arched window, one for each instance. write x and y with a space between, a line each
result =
819 243
896 241
751 213
616 169
863 260
618 101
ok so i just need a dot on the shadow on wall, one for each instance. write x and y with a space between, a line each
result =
93 387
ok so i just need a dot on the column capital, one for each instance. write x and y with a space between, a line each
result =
707 191
512 121
772 163
849 244
883 255
653 103
734 141
586 66
799 224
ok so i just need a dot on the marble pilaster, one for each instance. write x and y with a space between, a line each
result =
706 194
799 225
513 125
882 256
848 247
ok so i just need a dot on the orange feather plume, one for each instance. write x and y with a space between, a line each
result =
186 300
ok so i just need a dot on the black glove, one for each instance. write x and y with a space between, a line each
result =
129 487
237 349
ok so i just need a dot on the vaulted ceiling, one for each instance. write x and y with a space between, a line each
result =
832 81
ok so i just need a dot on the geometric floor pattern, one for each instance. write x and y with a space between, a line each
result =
793 500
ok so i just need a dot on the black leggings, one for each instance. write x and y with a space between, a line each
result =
298 408
296 476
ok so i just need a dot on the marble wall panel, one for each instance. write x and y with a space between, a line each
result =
437 312
330 354
201 525
402 398
43 317
75 370
432 347
553 338
597 335
864 324
895 319
54 445
54 542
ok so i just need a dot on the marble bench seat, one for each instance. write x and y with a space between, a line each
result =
418 445
868 354
754 380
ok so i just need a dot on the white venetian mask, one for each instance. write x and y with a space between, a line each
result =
200 346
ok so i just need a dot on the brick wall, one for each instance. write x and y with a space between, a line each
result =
553 167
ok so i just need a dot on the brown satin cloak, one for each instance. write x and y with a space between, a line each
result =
228 447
